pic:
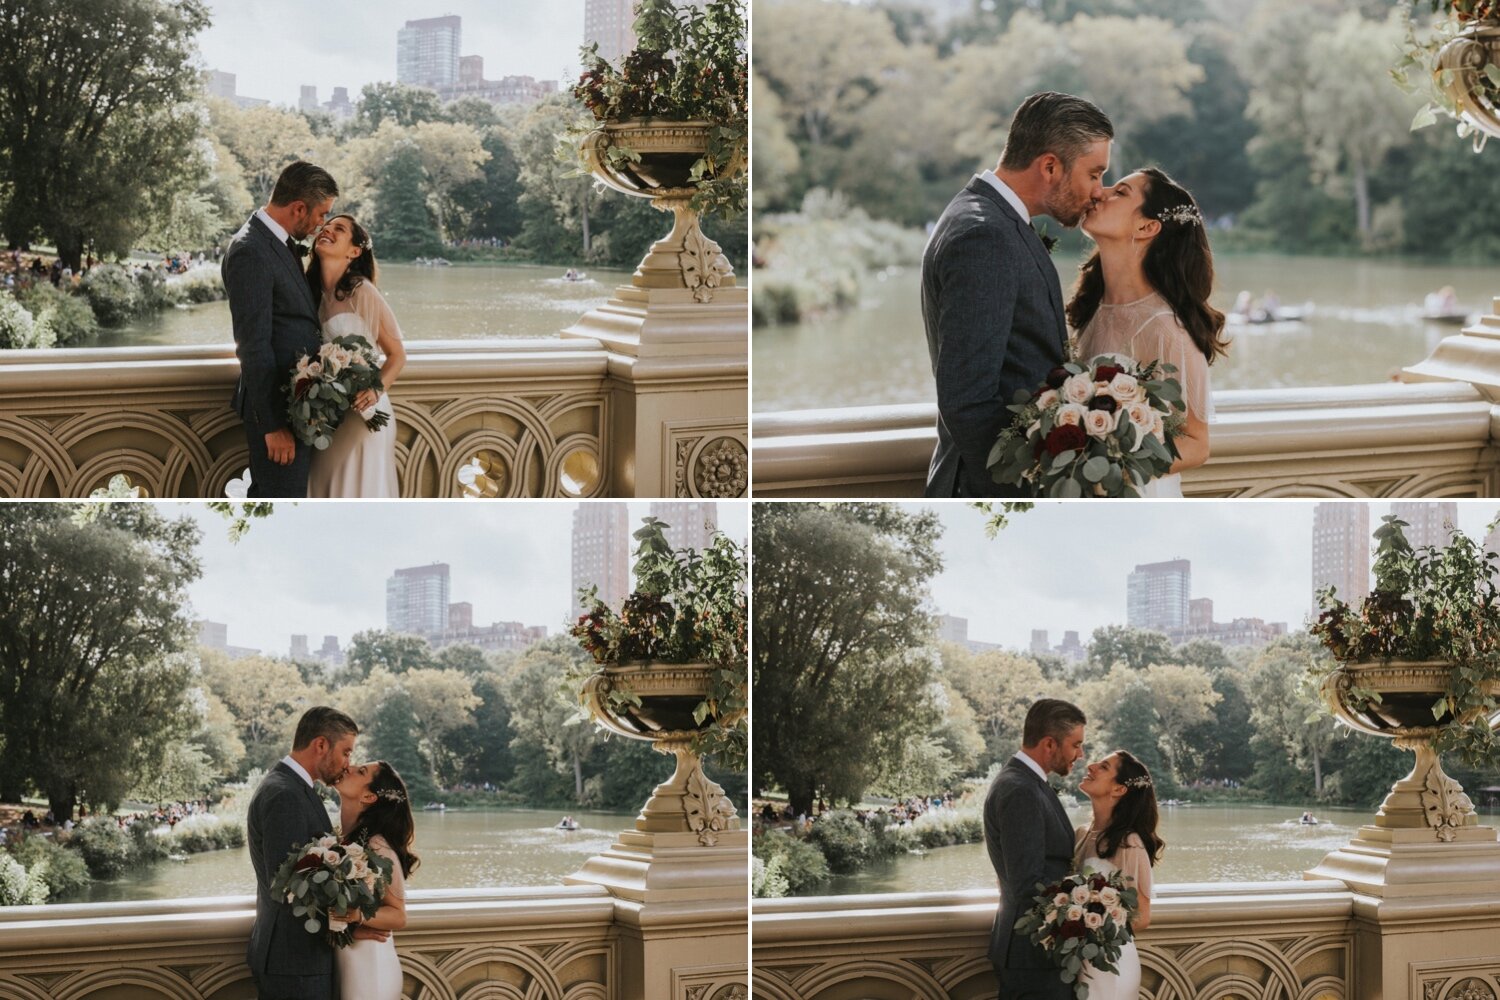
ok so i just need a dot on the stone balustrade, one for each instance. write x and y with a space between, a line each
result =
1270 940
1433 439
459 944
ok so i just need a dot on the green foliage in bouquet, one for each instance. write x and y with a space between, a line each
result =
688 607
1068 941
1428 604
1417 70
320 879
324 386
688 65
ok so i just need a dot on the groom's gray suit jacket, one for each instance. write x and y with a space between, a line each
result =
1030 840
275 322
992 305
285 813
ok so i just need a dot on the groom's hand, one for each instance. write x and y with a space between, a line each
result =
363 933
281 447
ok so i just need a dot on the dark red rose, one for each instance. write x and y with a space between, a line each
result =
303 384
1098 882
309 862
1057 376
1105 403
1106 372
1071 929
1067 438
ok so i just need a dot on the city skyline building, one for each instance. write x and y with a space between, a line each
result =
416 599
611 24
1157 595
217 83
601 552
427 51
1341 551
1428 522
690 524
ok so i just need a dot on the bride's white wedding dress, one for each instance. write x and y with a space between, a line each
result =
358 462
1131 859
1147 330
370 970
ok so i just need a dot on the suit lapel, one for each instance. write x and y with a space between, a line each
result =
1038 250
288 259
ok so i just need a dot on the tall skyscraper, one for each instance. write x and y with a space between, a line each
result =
299 650
1430 523
689 525
1157 595
601 551
610 23
309 99
416 599
427 51
1341 550
1040 644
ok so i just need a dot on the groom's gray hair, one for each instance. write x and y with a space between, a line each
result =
321 720
1051 717
1049 122
304 182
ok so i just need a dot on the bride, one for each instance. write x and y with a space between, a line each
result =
358 462
1122 836
375 809
1144 294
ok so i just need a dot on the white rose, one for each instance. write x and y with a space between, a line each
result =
315 368
1099 424
1117 914
1081 895
332 858
1093 921
1070 415
1158 426
1048 399
1078 389
1109 896
327 840
1075 913
355 850
358 868
1060 900
1126 389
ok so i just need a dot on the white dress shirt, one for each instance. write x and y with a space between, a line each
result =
281 234
1010 196
287 760
1035 767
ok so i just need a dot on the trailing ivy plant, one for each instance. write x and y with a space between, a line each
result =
1428 604
688 65
688 607
1417 71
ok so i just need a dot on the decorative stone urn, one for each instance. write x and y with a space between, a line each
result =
659 166
1464 59
689 801
1426 798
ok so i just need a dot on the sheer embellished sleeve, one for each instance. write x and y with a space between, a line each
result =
396 893
1135 864
376 313
1162 338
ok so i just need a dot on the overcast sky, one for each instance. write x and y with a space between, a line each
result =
1063 565
319 569
275 46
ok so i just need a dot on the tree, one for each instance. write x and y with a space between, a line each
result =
1137 648
544 718
556 200
92 625
1137 67
1203 653
450 155
1293 731
393 736
97 124
443 702
464 657
407 225
840 632
1185 698
483 746
1222 745
776 157
266 697
397 103
397 652
489 205
262 140
999 687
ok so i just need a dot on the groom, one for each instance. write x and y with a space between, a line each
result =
275 321
286 812
1030 840
991 301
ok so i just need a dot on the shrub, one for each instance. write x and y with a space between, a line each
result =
890 841
199 284
844 841
106 849
946 827
61 871
152 285
800 864
17 888
148 846
17 326
767 881
112 293
203 832
66 317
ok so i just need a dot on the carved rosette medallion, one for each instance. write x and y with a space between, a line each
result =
721 469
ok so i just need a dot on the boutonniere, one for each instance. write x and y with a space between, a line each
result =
1047 241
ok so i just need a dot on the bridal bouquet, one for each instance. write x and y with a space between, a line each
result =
1084 918
324 386
324 877
1100 428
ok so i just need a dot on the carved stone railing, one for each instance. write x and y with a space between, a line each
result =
1281 940
1436 439
539 417
540 944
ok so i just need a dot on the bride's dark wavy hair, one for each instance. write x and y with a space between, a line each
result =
1135 813
361 268
1179 265
389 816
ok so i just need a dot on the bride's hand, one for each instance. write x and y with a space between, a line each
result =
366 399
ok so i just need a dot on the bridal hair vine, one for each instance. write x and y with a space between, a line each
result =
391 794
1139 781
1186 215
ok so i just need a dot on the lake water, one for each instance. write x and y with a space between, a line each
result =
1204 844
431 303
1365 325
458 849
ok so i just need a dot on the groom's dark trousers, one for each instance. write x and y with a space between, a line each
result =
275 322
287 962
1030 840
992 305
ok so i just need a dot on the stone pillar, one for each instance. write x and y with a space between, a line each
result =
680 881
1426 884
678 342
1472 355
